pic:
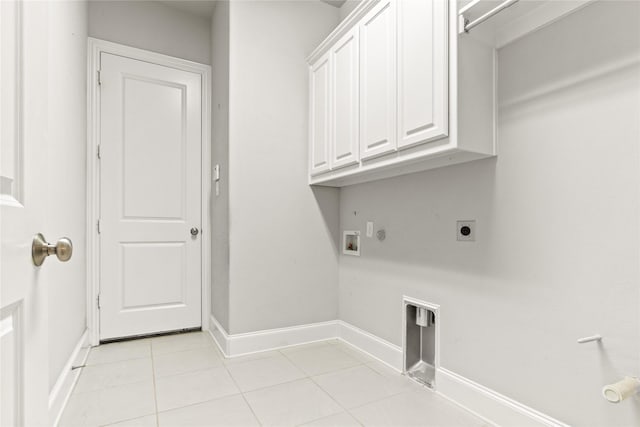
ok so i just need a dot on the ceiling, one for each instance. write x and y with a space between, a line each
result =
336 3
205 8
202 8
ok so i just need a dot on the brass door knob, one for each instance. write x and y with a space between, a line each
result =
40 249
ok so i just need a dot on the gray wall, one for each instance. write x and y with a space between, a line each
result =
283 261
220 155
557 251
152 26
66 282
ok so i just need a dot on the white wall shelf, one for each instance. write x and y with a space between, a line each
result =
436 106
517 20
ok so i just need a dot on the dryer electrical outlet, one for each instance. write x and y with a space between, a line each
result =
466 231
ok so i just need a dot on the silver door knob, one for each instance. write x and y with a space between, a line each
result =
194 231
40 249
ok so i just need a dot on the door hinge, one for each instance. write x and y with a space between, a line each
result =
98 226
98 152
99 78
98 301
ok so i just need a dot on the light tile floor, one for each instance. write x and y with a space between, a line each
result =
183 380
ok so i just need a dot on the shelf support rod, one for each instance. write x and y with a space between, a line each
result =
467 26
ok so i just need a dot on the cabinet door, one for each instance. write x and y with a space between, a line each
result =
378 81
319 105
422 71
345 135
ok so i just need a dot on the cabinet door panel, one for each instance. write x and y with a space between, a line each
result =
319 125
378 81
422 71
344 57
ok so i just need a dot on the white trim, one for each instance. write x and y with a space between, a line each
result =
384 351
61 391
349 22
96 47
271 339
15 197
219 335
489 404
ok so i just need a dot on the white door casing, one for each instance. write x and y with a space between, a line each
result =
150 117
24 378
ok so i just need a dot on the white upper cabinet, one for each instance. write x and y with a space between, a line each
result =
409 91
422 71
344 105
378 81
319 116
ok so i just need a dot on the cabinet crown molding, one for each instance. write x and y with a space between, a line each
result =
345 26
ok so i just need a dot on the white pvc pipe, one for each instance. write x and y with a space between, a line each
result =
589 339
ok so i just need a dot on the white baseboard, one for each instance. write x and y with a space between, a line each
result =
380 349
219 335
271 339
61 390
489 405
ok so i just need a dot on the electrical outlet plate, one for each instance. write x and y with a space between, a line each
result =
466 231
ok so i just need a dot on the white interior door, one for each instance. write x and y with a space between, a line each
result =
24 379
150 198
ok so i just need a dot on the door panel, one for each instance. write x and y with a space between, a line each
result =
378 81
153 112
422 71
319 117
11 355
24 375
151 277
344 60
150 182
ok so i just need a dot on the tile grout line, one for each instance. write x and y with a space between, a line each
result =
242 394
360 363
198 403
150 357
348 410
225 358
190 371
289 357
113 386
325 392
110 386
206 346
155 392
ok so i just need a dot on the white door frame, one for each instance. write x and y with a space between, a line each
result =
96 47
